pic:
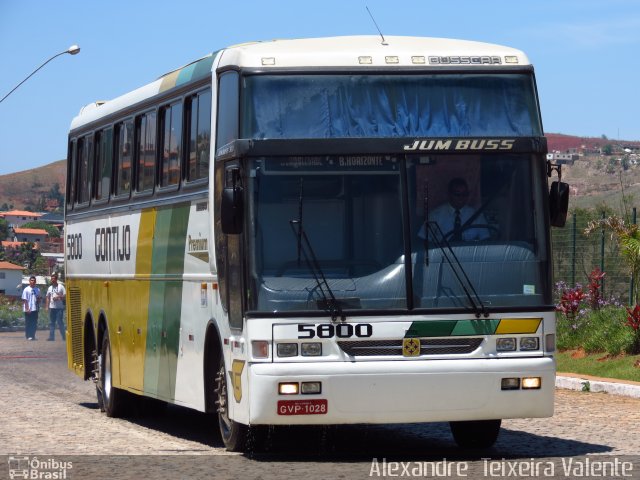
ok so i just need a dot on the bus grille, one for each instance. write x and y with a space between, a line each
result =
75 304
430 346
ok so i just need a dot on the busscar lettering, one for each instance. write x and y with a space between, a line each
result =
113 244
466 60
471 144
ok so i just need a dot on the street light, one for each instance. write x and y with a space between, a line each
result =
72 50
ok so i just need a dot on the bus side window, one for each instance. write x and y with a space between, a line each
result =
103 164
199 118
146 152
228 109
124 158
171 143
84 166
71 174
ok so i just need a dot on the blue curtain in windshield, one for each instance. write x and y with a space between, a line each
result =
351 106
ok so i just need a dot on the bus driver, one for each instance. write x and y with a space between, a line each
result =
452 216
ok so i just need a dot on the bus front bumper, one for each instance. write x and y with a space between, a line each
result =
400 391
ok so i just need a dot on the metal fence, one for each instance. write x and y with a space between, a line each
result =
576 254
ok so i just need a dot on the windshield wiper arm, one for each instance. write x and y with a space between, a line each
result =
435 232
329 300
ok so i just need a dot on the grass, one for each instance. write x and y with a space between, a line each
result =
599 365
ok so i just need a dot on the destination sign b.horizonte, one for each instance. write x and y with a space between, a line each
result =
382 163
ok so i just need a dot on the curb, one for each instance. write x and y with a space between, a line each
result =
591 385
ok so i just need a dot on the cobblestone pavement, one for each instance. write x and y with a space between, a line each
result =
45 410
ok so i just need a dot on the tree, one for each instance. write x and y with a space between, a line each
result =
607 149
4 229
628 238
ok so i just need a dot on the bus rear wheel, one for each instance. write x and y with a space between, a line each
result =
112 400
234 434
475 434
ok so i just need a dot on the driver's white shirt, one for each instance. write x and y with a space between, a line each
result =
445 215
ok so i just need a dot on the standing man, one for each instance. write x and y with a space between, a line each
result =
55 303
30 299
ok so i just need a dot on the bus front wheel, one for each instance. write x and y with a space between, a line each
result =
234 434
476 434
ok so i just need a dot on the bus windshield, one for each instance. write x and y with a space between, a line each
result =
378 232
401 105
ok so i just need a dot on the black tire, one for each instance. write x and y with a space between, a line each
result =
234 434
113 399
476 434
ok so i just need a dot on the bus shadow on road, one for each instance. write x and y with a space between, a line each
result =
355 442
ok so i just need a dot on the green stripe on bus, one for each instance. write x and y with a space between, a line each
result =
165 301
452 328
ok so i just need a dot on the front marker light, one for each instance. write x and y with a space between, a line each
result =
310 388
510 383
260 348
506 344
531 383
289 388
311 349
550 342
529 343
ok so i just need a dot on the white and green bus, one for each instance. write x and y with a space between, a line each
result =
254 235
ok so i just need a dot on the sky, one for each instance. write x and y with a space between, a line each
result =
584 53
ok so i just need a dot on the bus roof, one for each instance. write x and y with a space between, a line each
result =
339 52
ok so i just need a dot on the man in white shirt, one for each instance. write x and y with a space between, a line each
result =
452 216
30 300
55 303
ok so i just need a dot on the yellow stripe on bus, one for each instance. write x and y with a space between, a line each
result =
518 325
145 242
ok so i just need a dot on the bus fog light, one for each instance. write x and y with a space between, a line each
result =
550 342
510 384
311 349
260 349
529 343
287 349
308 388
289 388
531 383
507 344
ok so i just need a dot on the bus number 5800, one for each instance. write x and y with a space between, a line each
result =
342 330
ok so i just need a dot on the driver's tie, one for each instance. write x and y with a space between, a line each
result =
457 235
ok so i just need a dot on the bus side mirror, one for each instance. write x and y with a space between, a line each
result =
558 203
232 210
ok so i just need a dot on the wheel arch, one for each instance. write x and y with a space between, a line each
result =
212 349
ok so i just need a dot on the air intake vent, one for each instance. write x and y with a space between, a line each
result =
428 346
75 304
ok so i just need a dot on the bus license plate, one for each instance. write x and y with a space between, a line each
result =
303 407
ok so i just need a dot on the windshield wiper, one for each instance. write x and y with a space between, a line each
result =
435 232
329 301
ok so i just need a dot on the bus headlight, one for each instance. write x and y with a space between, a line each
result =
287 349
311 349
506 344
529 343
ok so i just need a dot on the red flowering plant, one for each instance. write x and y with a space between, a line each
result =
571 301
633 321
595 289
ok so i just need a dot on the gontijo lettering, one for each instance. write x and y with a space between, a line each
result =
113 244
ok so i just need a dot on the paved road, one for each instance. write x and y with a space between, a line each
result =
49 413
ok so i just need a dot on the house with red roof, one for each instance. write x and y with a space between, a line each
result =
10 279
16 218
34 235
